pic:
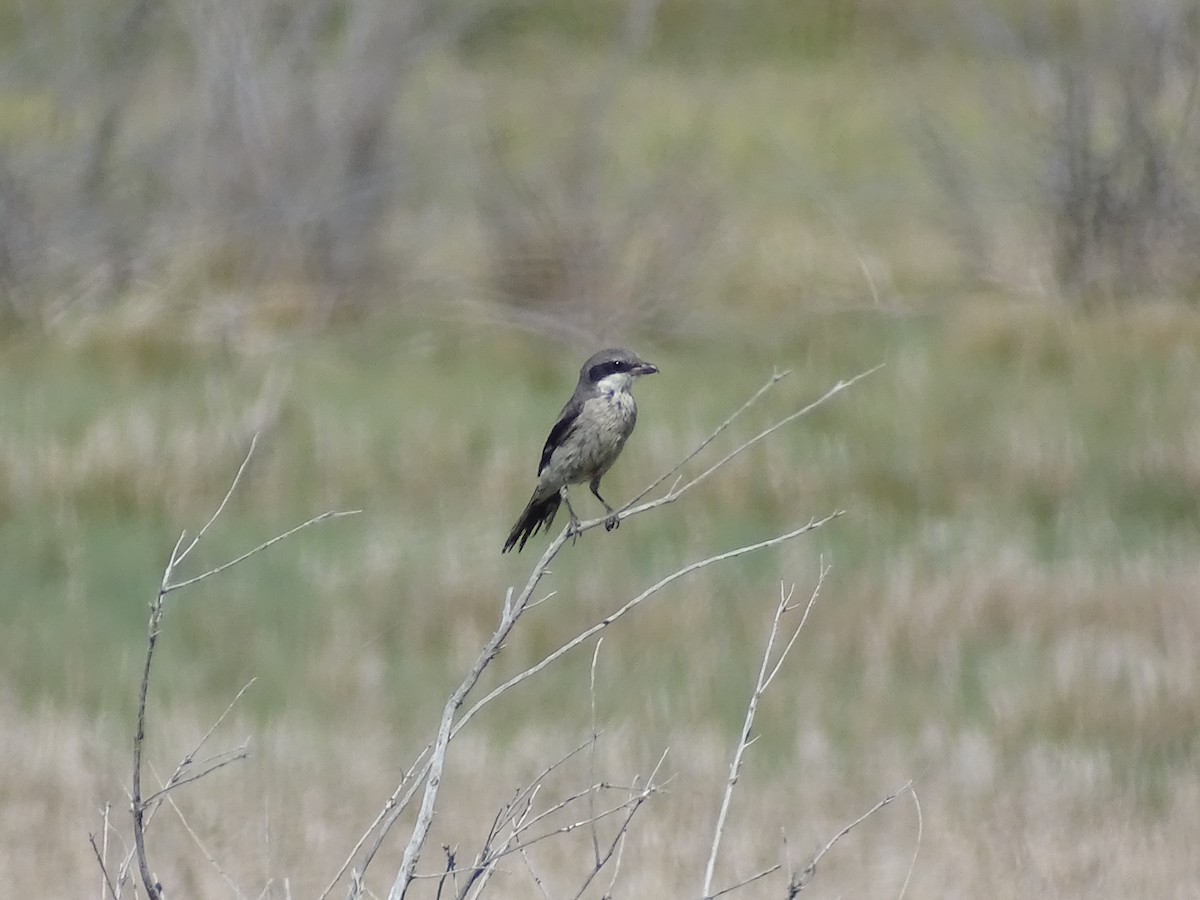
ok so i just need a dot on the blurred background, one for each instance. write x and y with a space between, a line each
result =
384 235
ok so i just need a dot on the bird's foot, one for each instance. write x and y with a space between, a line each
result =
613 521
573 530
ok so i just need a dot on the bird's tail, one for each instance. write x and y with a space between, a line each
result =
538 514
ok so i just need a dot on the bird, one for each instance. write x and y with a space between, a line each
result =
585 441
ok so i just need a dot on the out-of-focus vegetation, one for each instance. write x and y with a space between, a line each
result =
576 163
384 235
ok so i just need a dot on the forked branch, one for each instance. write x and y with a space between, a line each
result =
142 807
766 674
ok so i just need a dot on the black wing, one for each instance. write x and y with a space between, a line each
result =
558 434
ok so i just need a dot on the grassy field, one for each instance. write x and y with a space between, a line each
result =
1011 612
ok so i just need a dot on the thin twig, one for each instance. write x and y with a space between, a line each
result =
633 508
104 849
524 822
138 803
636 799
153 889
799 882
766 674
534 875
917 849
180 557
612 882
485 859
187 826
757 876
765 433
744 741
608 620
388 807
775 378
261 547
107 882
450 868
618 840
485 862
509 848
594 741
433 776
154 801
208 766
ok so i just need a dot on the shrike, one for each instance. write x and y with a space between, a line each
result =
585 441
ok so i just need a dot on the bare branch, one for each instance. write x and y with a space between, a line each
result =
104 850
106 882
154 801
139 804
392 807
618 841
630 509
179 557
177 779
593 742
534 875
620 845
451 864
812 598
429 775
486 861
799 882
261 547
766 674
811 525
637 798
433 776
153 888
775 378
767 432
523 801
203 849
757 876
207 767
916 849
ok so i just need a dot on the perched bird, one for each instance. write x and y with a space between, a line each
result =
585 441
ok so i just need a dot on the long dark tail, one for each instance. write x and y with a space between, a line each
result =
538 514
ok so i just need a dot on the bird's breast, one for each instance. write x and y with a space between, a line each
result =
616 412
595 440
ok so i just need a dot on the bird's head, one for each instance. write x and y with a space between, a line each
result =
614 370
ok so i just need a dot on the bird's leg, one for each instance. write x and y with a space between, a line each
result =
573 525
612 521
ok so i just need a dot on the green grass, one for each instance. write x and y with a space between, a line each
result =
983 436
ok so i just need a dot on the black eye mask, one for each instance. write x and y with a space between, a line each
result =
595 373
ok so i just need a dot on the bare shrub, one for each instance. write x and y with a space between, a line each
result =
292 143
576 239
549 807
1094 133
569 249
227 143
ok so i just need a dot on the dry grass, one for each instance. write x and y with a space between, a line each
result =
1050 823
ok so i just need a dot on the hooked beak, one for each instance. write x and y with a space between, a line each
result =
645 368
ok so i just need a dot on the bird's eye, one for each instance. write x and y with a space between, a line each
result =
604 369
